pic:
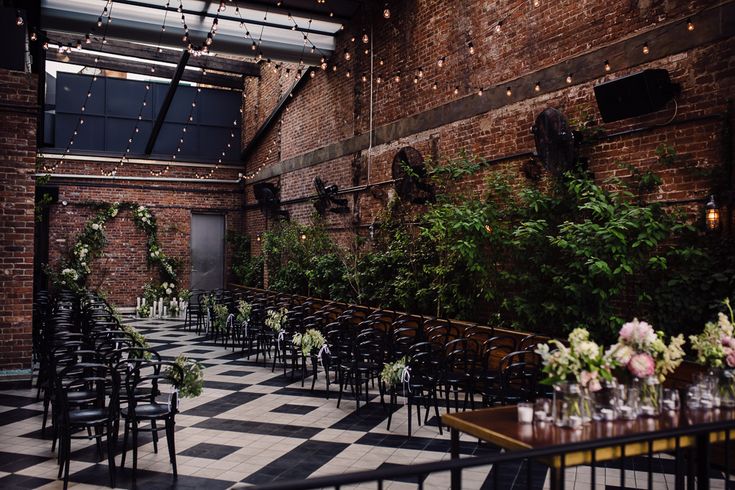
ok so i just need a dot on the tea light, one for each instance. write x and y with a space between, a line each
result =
607 414
575 421
525 414
626 412
539 416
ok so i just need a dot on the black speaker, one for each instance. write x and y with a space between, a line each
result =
634 95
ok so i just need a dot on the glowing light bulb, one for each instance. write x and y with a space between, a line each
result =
569 78
471 48
537 87
348 56
440 62
456 90
386 12
19 20
508 92
607 66
690 25
434 86
365 38
479 93
645 49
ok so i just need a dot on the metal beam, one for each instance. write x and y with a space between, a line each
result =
167 55
263 129
269 6
167 102
87 59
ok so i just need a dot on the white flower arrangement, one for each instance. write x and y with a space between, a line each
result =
276 319
311 339
243 311
393 372
70 274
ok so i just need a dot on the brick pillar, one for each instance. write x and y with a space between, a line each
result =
18 114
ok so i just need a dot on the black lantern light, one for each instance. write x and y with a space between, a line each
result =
712 214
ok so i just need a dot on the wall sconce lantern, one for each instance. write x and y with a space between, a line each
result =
303 237
257 237
712 215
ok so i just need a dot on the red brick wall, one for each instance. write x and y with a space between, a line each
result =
332 107
18 110
123 269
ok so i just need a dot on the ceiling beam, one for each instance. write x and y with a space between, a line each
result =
269 6
158 124
126 48
130 66
271 119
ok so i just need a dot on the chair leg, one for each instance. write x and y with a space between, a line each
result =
125 445
67 459
111 453
390 407
341 387
154 436
171 445
135 448
409 416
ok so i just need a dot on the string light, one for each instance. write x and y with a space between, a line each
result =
690 25
645 48
456 90
19 19
607 66
386 12
537 87
434 86
479 92
508 92
440 61
470 48
569 78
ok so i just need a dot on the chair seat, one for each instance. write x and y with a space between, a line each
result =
149 410
88 416
81 396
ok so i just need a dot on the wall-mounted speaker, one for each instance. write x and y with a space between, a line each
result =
634 95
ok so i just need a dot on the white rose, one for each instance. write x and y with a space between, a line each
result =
95 226
168 291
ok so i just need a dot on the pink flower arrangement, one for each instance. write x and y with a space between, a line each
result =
728 348
641 365
637 333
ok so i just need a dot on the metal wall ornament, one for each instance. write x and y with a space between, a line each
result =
267 195
327 199
411 177
555 142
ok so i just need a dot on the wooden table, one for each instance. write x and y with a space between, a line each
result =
500 426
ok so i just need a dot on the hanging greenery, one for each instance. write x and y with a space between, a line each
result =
89 244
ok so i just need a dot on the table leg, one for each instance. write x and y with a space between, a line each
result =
703 462
456 473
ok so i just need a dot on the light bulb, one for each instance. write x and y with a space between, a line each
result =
99 22
499 26
537 87
569 78
645 49
471 48
347 55
364 77
386 13
440 62
479 92
508 92
312 73
34 36
348 74
19 20
435 86
536 3
415 79
421 73
690 25
365 38
456 90
607 66
397 78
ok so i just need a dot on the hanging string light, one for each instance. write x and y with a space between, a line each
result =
107 12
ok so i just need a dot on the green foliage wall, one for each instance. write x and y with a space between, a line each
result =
540 257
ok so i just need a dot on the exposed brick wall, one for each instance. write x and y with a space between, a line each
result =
332 107
18 111
123 269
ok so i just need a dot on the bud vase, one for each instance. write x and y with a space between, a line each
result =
650 402
572 406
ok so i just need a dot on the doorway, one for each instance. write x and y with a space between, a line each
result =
207 251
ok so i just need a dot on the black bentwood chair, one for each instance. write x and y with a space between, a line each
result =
94 413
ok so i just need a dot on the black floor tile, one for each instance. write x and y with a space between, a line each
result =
294 409
18 414
404 479
22 481
369 416
236 373
148 480
198 351
12 462
16 401
263 428
222 405
298 463
224 385
209 451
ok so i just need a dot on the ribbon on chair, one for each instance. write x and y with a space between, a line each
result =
230 323
245 326
324 350
279 339
406 380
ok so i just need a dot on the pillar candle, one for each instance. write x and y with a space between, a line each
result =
165 312
137 305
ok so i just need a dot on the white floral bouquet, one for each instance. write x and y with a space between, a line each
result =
393 373
70 275
219 316
276 319
644 353
243 311
583 361
311 339
715 346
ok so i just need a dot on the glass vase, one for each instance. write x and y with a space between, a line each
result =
605 406
572 406
727 388
650 396
627 400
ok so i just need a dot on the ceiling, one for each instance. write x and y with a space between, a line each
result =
279 30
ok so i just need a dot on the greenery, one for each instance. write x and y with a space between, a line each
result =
544 256
247 268
193 377
393 372
308 341
75 268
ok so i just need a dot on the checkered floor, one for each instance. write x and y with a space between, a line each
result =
252 426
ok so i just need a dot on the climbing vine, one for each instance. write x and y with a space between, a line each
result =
75 268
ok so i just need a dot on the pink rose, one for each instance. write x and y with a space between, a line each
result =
641 365
730 359
595 385
626 331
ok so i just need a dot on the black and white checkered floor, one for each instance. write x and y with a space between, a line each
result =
253 426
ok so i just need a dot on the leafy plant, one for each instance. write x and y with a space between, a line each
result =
308 341
192 383
247 268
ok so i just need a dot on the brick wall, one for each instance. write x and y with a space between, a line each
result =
123 269
332 108
18 110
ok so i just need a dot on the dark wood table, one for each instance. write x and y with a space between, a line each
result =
500 426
